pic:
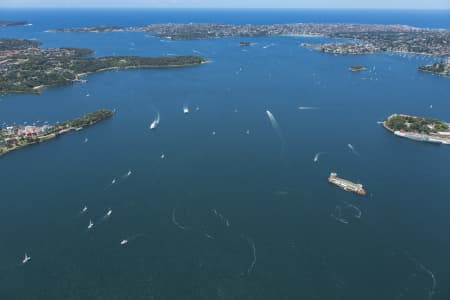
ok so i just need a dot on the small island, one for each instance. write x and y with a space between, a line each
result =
12 23
357 68
438 68
418 128
246 44
17 137
26 68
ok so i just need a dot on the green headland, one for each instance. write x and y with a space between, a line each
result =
16 137
27 68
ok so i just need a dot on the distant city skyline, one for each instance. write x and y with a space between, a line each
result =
343 4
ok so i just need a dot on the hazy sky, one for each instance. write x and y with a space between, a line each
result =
407 4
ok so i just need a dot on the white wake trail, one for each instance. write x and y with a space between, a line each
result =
317 156
106 216
432 291
253 247
113 182
174 220
132 238
337 215
307 107
277 129
156 121
126 175
221 217
352 148
358 211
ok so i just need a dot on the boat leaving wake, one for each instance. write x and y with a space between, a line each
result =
185 108
307 107
350 146
106 216
155 122
125 176
316 157
132 238
277 129
113 182
83 210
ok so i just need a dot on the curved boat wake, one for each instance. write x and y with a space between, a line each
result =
253 248
174 220
419 265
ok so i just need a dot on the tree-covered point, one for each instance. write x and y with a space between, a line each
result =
85 120
416 124
121 62
78 52
357 68
17 44
28 69
12 23
442 68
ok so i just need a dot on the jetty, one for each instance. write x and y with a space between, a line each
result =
346 185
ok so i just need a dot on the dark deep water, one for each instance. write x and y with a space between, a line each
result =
231 191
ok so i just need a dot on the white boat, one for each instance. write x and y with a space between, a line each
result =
90 224
316 157
185 109
84 209
26 259
109 213
123 242
155 123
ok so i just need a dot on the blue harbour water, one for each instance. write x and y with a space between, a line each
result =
274 235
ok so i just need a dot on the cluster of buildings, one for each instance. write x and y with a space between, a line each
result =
11 59
388 38
43 52
341 48
27 68
14 134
